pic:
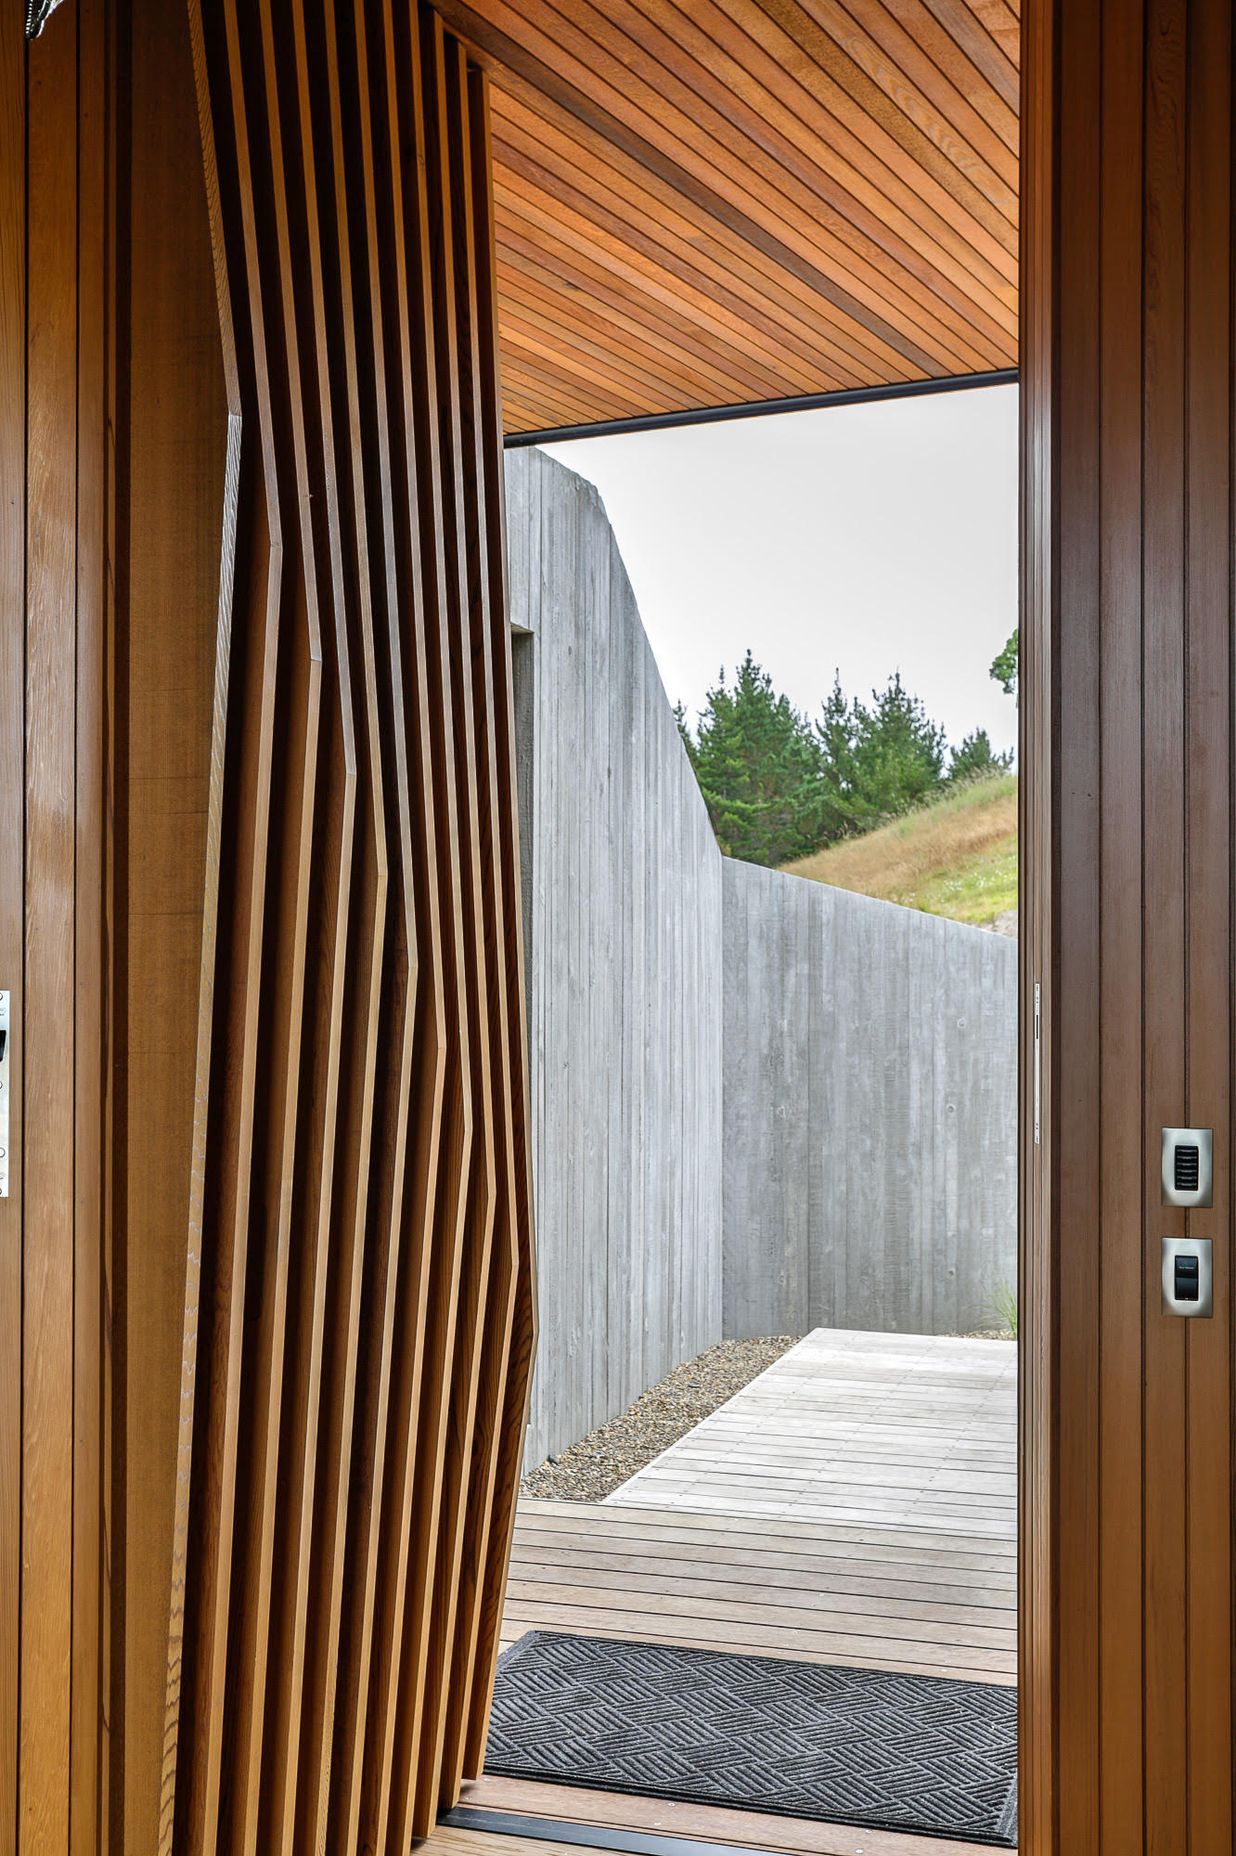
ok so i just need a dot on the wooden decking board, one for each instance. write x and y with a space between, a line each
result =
802 1599
912 1430
684 1524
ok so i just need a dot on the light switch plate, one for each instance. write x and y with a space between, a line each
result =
1198 1247
1202 1195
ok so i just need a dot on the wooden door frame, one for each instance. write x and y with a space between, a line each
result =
1037 1438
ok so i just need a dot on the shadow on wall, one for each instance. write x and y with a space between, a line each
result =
760 1105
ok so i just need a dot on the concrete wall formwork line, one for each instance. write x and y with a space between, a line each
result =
759 1104
870 1113
622 897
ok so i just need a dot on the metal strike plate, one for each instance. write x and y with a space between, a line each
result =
1187 1278
1188 1167
6 1053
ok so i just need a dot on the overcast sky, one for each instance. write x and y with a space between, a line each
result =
862 538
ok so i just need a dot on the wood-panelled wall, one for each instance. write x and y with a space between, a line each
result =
1127 1597
358 1319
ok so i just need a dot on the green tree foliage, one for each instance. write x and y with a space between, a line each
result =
844 805
976 758
1005 665
779 786
898 751
758 769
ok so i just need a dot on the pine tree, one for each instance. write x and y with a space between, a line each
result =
758 765
898 751
843 808
976 758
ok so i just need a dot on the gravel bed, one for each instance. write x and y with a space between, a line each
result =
599 1463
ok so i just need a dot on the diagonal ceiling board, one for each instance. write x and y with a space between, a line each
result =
647 212
710 202
881 226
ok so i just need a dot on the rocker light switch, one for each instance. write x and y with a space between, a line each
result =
1188 1288
1188 1167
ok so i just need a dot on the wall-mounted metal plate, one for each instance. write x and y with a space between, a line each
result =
1188 1167
6 1047
1187 1278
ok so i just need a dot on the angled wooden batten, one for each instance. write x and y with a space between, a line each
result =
358 1313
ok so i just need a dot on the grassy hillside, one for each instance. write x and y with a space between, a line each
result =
955 857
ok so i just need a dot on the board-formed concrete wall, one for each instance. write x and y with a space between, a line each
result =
870 1113
622 902
759 1105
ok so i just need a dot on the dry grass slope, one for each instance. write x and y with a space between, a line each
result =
954 857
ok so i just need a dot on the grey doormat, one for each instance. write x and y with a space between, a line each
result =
846 1746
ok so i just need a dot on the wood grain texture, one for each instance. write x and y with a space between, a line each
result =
89 1713
55 221
714 203
49 1074
12 896
1128 692
860 1591
711 1823
171 425
904 1431
359 1265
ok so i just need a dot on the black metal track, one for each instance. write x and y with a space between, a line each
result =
762 409
587 1836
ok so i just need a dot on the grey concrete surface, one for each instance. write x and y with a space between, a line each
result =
622 896
759 1105
870 1120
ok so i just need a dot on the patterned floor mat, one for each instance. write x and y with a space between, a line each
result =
846 1746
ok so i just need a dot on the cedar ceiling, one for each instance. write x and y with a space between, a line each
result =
706 202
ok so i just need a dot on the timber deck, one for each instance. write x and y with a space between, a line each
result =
855 1504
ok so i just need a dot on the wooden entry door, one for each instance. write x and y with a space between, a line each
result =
1127 1440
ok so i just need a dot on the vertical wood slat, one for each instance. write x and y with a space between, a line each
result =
1210 743
48 1203
1128 553
88 1714
1119 1660
12 863
352 1395
55 219
1165 113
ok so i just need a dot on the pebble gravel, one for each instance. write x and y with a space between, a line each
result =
601 1462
